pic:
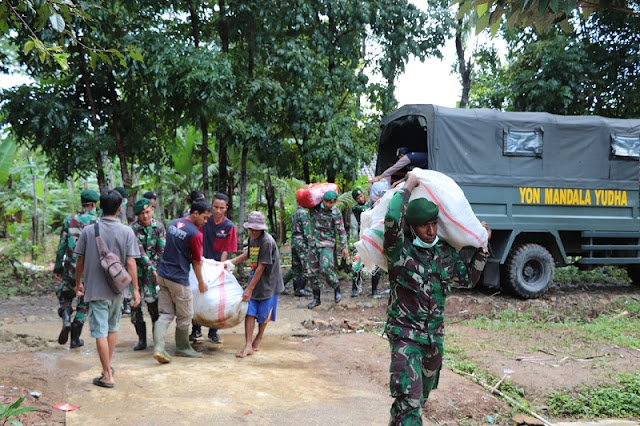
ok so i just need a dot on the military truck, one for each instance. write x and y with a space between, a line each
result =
555 190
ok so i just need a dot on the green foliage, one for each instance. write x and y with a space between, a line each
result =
605 274
621 400
10 412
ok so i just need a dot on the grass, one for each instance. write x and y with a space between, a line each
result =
621 400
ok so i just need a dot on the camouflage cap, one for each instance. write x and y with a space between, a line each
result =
330 196
89 196
140 205
356 193
421 211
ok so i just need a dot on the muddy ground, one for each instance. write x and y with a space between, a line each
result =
319 367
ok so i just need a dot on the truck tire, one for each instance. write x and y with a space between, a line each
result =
634 273
529 271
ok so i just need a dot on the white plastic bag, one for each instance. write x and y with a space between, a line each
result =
457 224
221 306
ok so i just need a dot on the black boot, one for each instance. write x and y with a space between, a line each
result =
316 299
355 287
126 306
213 336
76 330
298 287
196 332
375 279
141 331
337 295
65 314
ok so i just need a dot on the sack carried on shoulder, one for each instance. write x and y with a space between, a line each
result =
117 275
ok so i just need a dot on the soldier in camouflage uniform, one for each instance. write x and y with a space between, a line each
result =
64 269
326 227
300 233
151 240
356 287
421 271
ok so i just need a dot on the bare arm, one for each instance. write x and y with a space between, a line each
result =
197 269
132 269
79 271
253 283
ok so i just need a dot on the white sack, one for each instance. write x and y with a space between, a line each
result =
457 224
221 306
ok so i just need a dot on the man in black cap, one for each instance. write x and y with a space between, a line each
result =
406 159
153 198
422 268
65 269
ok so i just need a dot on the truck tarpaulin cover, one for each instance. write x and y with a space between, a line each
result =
457 224
310 195
221 306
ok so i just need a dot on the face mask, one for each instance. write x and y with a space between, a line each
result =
124 202
322 205
93 211
419 243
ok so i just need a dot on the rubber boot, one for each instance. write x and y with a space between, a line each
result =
183 347
65 314
355 288
159 334
141 331
316 299
337 295
375 279
76 330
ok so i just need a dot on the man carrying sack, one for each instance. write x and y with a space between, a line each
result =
91 279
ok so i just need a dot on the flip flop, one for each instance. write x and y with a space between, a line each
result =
98 382
113 373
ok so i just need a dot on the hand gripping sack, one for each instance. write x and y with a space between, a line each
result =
457 224
117 275
221 306
310 196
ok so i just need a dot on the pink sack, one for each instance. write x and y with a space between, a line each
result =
310 195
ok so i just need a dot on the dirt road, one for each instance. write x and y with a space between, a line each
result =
315 368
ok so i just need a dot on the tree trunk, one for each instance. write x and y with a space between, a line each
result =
270 195
102 183
464 67
34 217
223 32
243 193
120 148
282 230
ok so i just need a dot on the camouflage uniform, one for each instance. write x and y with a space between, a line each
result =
420 280
326 226
300 232
151 241
66 263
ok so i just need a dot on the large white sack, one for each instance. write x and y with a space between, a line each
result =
457 224
221 306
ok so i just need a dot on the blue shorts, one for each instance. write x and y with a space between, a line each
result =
104 317
263 310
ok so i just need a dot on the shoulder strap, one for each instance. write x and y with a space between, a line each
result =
97 230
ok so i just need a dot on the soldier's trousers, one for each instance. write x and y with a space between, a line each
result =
66 293
149 295
322 264
299 261
414 370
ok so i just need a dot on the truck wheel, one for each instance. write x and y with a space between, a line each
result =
529 271
634 273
